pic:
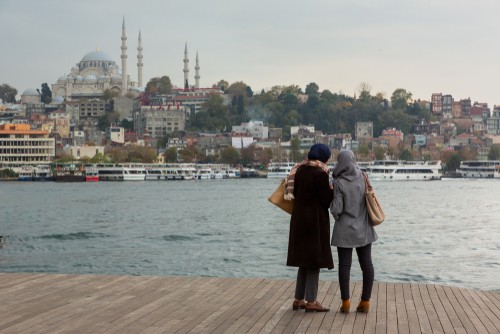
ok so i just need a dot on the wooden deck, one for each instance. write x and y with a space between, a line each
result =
41 303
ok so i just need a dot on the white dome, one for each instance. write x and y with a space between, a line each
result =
97 56
30 92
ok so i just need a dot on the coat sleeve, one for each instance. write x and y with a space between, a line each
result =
337 206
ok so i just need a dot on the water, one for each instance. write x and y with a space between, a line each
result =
444 232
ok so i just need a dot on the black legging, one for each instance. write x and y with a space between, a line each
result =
365 261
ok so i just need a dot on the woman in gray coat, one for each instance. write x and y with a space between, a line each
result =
352 228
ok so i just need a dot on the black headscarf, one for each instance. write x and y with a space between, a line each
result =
346 168
319 152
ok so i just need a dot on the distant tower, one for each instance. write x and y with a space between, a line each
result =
197 72
139 62
124 60
186 69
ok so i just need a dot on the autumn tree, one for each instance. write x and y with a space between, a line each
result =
171 154
230 156
159 85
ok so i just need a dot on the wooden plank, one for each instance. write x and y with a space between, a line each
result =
464 319
411 310
360 318
329 318
423 320
446 314
402 318
371 317
381 324
392 313
430 310
305 324
489 320
328 301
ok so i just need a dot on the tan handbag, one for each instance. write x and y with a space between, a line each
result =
278 199
374 208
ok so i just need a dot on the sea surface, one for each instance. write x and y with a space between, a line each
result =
445 232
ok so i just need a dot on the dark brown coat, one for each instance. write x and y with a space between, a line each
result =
309 239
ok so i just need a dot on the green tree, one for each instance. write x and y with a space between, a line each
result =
379 152
223 85
99 157
406 155
8 93
159 85
127 125
494 152
171 154
453 162
312 89
248 155
295 149
46 94
229 155
108 119
400 99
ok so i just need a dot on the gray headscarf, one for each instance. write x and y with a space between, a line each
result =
346 168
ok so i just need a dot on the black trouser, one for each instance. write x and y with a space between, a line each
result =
365 261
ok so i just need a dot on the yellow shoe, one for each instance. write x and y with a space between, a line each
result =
346 306
364 306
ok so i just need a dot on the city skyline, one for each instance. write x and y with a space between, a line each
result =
420 46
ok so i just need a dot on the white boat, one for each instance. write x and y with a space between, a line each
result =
186 171
279 170
204 174
155 174
42 173
480 169
231 173
218 174
26 173
122 173
405 170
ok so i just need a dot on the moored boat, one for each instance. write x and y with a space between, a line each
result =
91 174
405 170
279 170
480 169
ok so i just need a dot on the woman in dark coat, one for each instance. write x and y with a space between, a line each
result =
309 239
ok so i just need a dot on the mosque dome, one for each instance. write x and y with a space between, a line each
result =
30 92
90 77
97 55
79 78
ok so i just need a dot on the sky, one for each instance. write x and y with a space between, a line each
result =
423 46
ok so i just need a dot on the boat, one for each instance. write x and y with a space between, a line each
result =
249 173
480 169
279 170
122 173
91 174
203 174
42 173
155 174
68 172
26 173
404 170
185 170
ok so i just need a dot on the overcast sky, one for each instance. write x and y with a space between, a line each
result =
423 46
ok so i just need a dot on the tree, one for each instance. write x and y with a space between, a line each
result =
453 163
108 119
248 155
127 125
159 85
312 89
400 99
46 94
171 154
379 152
229 156
223 85
494 152
8 93
406 155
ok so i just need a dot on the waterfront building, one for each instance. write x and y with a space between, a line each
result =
20 145
493 123
447 106
116 134
456 110
155 122
427 128
363 130
78 152
466 105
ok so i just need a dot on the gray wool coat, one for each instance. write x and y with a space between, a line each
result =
352 227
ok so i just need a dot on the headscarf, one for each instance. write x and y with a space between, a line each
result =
319 152
318 156
346 168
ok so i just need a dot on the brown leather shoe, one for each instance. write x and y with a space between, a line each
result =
346 306
315 307
298 304
364 306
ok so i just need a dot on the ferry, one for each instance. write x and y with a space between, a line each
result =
91 174
480 169
122 173
279 170
182 171
155 174
42 173
26 173
204 174
405 170
68 172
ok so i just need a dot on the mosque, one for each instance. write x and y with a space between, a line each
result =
98 72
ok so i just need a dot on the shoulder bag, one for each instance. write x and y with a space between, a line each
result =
278 199
373 206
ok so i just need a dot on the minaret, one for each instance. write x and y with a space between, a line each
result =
124 60
186 69
197 72
139 62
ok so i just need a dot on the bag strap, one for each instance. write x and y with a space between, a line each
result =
367 182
